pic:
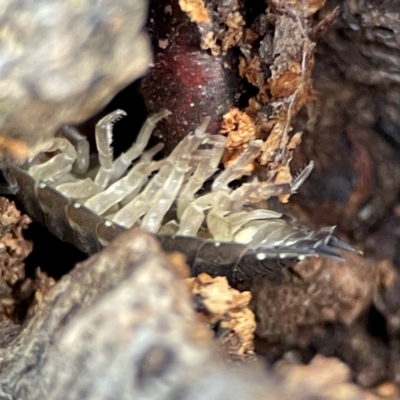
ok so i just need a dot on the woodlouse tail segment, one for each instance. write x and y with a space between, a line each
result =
325 242
322 242
342 245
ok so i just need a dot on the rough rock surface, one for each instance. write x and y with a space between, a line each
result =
121 326
61 61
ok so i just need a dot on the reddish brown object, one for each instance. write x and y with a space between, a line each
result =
186 80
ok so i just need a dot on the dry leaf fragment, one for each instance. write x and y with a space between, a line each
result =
196 10
227 309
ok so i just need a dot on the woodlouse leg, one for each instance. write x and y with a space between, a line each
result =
103 143
108 167
134 210
69 185
207 163
79 189
193 216
81 144
237 169
163 201
164 186
225 203
239 219
254 233
191 220
122 163
130 185
183 152
58 165
286 188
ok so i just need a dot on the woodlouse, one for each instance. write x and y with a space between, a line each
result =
215 230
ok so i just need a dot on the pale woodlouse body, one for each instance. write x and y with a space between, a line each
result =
215 230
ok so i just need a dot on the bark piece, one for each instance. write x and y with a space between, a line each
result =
321 291
226 311
14 248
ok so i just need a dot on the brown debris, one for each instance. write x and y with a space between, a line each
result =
357 177
329 291
251 70
323 26
281 170
387 390
387 299
40 286
19 295
13 251
226 31
240 130
279 66
15 148
178 262
290 85
283 173
328 377
276 58
367 355
226 309
309 8
289 56
163 44
196 10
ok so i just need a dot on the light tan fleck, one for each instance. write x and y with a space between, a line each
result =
196 10
228 308
163 43
241 130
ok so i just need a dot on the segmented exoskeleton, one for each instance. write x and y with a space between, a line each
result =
215 229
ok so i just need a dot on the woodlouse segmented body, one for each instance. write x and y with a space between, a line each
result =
215 230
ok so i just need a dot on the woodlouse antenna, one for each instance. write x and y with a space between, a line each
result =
302 176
